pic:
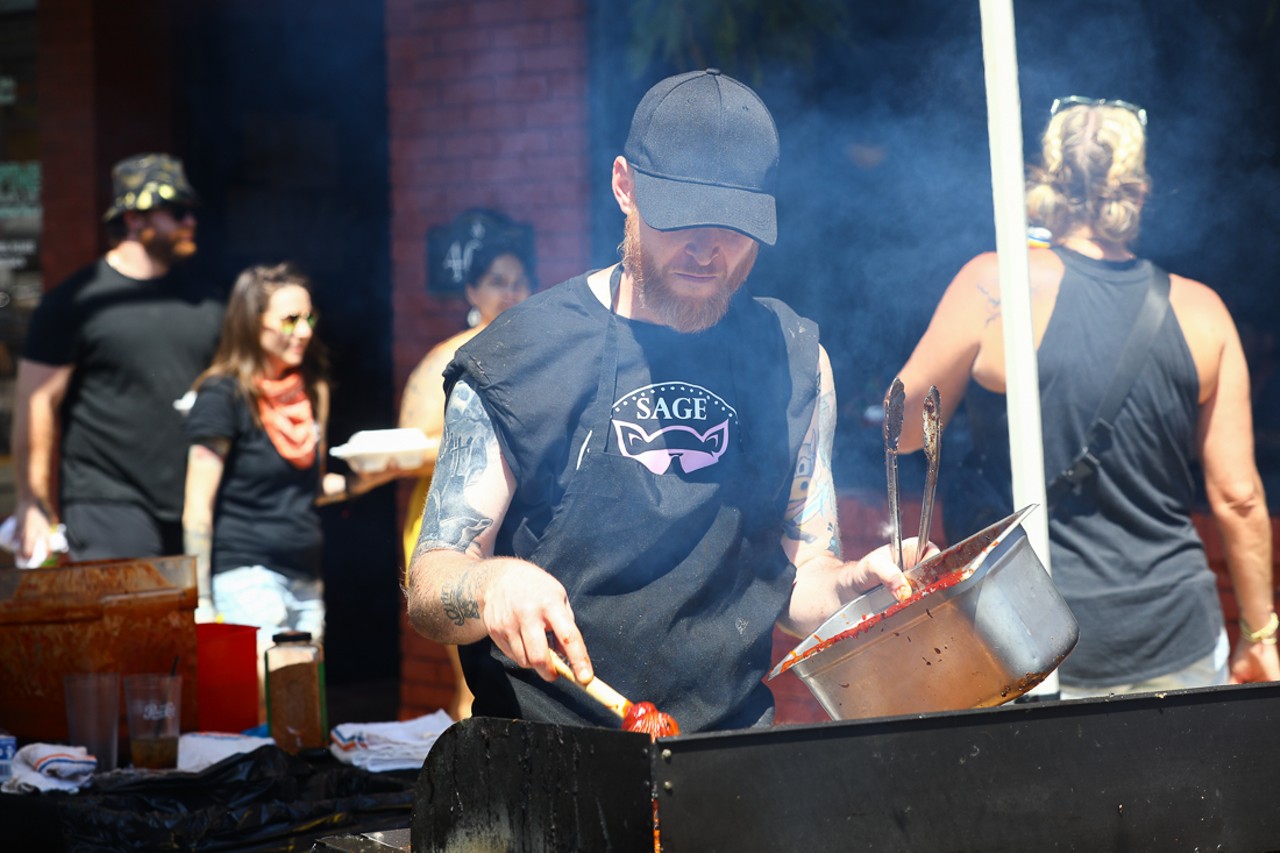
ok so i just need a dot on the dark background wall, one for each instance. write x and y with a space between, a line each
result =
282 122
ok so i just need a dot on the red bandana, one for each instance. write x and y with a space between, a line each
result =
287 417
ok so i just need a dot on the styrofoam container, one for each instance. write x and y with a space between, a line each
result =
373 450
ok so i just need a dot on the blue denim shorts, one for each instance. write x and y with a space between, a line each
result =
256 595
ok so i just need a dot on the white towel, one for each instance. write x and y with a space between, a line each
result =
198 750
50 767
377 747
55 542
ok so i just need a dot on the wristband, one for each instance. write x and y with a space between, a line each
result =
1266 634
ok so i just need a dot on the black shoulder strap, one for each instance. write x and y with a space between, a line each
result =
1141 336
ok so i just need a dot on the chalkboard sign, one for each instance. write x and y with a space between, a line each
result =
474 236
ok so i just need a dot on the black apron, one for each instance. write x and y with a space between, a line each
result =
676 581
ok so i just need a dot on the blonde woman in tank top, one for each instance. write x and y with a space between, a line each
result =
1089 194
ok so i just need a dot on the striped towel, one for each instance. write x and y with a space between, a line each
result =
50 767
377 747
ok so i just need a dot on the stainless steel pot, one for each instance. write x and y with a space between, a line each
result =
984 626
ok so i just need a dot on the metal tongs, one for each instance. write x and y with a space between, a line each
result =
894 410
932 436
894 406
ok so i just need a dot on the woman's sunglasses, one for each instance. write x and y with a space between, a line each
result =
1060 104
289 322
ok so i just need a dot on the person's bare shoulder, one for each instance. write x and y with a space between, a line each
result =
439 356
1201 313
1196 296
983 272
424 389
1206 326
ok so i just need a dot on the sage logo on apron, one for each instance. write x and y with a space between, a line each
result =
673 422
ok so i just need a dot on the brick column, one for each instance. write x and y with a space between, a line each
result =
105 91
68 137
487 108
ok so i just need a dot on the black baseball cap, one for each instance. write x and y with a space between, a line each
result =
703 151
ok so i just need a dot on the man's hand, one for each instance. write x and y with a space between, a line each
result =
522 605
879 568
32 528
1254 662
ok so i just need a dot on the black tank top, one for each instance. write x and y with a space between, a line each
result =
1124 552
653 470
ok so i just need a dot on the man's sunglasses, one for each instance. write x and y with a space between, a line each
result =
1060 104
179 212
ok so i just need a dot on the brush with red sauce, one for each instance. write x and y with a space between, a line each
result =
641 717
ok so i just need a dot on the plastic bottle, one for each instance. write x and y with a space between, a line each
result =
297 712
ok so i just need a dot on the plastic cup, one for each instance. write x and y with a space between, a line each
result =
93 714
226 676
154 703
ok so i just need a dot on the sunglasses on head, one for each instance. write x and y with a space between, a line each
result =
1060 104
289 322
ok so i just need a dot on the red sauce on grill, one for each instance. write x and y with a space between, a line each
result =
644 717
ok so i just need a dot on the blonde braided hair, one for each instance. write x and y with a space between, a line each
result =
1093 174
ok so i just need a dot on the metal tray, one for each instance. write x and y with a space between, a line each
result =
984 626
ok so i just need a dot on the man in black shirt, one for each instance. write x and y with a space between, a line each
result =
637 461
108 353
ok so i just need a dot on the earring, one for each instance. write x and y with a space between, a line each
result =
473 318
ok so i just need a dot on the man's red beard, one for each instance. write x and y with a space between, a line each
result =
655 292
166 248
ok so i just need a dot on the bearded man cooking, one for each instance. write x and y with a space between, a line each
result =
635 465
107 354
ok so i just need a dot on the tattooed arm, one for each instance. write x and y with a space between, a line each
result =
458 591
811 533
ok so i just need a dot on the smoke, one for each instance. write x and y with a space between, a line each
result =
886 173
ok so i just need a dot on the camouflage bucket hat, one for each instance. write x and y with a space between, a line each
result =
147 181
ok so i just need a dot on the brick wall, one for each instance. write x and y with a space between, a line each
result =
100 99
68 135
487 107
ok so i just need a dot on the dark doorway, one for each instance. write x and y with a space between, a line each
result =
282 122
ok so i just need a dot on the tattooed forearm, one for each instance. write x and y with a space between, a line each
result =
811 510
459 603
468 445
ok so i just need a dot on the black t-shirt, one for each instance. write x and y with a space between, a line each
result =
135 347
264 513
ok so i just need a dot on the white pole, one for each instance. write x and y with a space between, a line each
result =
1022 393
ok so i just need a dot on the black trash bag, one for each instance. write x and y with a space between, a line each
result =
261 800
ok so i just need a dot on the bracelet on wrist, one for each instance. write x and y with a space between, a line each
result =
1265 634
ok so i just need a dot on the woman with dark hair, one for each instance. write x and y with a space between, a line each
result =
1124 551
255 469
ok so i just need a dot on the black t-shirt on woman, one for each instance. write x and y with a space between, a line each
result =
264 513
